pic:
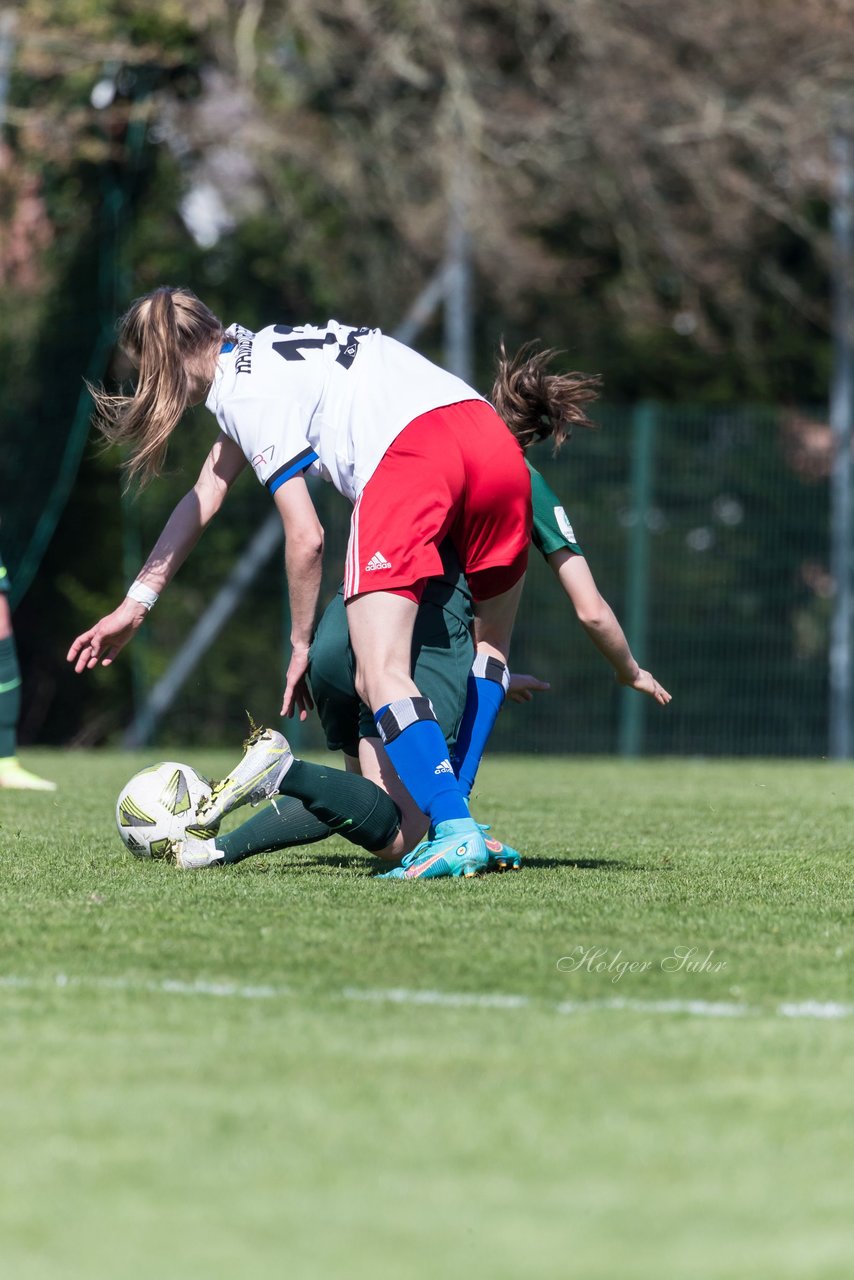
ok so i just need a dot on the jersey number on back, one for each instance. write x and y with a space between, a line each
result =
293 350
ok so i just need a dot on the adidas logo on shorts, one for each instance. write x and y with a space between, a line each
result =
377 561
443 767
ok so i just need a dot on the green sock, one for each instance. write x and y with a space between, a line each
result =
10 696
279 825
349 804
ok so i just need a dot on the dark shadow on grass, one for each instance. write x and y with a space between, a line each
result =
339 861
279 860
586 864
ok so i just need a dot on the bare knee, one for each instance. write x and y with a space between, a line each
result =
394 851
413 829
384 683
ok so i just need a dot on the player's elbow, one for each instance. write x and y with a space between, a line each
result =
593 616
305 543
314 543
208 497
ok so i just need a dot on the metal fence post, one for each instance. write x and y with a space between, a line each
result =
841 398
458 314
632 705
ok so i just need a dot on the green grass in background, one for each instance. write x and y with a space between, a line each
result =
233 1071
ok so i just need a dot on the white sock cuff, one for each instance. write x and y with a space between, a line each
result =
485 667
401 714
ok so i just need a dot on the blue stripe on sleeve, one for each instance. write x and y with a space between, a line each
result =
301 463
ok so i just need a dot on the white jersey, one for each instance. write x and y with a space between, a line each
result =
328 401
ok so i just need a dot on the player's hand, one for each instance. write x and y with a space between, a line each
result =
297 695
101 643
645 682
522 688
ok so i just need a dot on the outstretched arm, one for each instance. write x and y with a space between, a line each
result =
599 621
303 565
101 643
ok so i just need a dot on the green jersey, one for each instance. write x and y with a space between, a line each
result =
552 529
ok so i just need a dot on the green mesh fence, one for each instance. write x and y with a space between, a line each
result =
707 531
46 408
730 544
37 482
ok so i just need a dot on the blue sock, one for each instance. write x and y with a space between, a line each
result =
485 693
416 747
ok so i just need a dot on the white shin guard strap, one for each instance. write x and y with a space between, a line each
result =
485 667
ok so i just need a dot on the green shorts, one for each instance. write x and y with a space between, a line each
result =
442 652
442 643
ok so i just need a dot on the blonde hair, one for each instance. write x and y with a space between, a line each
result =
537 404
167 334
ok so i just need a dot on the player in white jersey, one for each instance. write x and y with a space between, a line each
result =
421 455
350 393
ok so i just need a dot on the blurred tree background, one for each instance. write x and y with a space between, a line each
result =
645 187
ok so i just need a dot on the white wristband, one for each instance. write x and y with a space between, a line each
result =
142 594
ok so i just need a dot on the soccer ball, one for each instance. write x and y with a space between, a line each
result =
157 806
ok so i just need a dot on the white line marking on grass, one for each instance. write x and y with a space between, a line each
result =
168 986
697 1008
822 1010
172 987
815 1009
448 999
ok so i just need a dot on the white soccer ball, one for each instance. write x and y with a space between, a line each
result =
157 806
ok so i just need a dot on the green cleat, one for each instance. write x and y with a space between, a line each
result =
456 849
14 777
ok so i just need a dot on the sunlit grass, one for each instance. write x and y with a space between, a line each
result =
234 1072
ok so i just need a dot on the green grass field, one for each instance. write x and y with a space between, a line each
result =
289 1068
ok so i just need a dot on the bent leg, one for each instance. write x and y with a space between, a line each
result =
284 823
488 681
317 802
494 619
350 805
10 684
381 625
375 764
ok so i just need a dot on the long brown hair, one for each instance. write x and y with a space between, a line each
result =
168 334
537 404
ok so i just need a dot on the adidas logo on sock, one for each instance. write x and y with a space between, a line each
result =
444 767
377 561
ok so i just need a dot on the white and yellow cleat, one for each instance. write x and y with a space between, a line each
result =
191 853
266 759
14 777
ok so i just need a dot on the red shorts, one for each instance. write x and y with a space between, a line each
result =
454 472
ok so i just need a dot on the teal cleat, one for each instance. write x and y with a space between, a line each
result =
456 849
501 856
